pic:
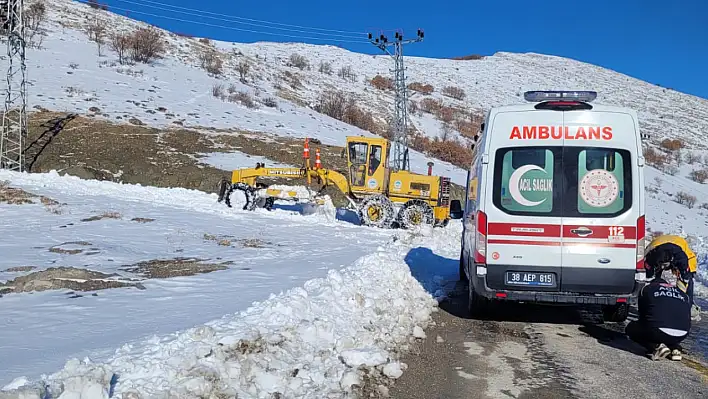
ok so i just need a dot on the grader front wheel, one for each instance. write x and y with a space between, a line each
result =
376 211
416 213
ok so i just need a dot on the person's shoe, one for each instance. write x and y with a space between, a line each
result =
660 352
676 355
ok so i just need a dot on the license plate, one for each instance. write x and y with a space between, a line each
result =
531 279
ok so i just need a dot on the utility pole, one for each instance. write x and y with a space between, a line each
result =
13 131
400 159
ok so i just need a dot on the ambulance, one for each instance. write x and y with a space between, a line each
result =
554 208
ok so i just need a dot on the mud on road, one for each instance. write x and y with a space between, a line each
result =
537 352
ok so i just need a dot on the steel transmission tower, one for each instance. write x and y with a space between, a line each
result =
400 159
14 118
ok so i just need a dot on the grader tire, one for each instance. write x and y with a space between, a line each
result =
376 211
248 191
416 213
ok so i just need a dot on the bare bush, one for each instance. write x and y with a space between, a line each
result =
96 29
685 198
325 67
244 98
446 114
120 42
654 158
347 74
454 92
430 105
146 45
672 145
421 88
382 83
468 57
243 68
35 14
217 90
94 4
699 176
338 105
691 157
298 61
232 88
269 102
452 150
205 40
446 132
210 60
413 107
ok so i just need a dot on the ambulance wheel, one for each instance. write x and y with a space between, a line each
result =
416 213
463 275
478 307
615 313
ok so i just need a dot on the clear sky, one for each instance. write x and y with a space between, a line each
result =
662 42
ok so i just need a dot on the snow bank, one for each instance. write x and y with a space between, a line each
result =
315 341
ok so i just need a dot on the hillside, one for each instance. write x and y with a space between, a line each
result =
278 88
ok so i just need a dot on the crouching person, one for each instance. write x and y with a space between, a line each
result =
664 317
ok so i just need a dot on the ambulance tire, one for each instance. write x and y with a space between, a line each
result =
478 307
615 313
463 275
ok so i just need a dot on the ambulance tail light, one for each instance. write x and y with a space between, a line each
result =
480 238
640 243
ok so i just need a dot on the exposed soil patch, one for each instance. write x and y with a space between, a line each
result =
142 220
64 278
178 267
19 269
69 248
105 215
18 196
254 243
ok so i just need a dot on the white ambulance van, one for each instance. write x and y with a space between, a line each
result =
555 205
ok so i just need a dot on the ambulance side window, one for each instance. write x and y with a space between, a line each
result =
524 181
603 181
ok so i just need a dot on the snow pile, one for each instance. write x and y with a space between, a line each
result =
319 340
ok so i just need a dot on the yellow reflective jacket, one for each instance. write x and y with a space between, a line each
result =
680 242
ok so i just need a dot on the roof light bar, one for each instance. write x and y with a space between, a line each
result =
538 96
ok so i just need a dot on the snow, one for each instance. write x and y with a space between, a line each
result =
235 333
236 160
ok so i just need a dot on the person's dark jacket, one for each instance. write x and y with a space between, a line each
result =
663 306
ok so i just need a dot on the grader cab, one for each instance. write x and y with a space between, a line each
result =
381 196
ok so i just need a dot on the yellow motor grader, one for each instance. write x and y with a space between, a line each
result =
381 196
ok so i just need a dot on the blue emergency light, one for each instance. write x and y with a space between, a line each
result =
538 96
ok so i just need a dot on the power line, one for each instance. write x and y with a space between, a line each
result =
237 20
231 27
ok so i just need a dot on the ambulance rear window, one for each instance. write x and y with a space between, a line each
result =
562 181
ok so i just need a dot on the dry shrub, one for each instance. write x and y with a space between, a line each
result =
243 68
699 176
670 169
217 90
430 105
298 61
120 43
446 114
35 14
413 107
347 74
205 40
96 29
452 150
469 57
209 60
244 98
691 157
672 145
146 45
685 198
466 128
654 157
325 67
338 105
421 88
454 92
382 83
269 102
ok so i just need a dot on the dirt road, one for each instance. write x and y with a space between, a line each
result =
541 353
